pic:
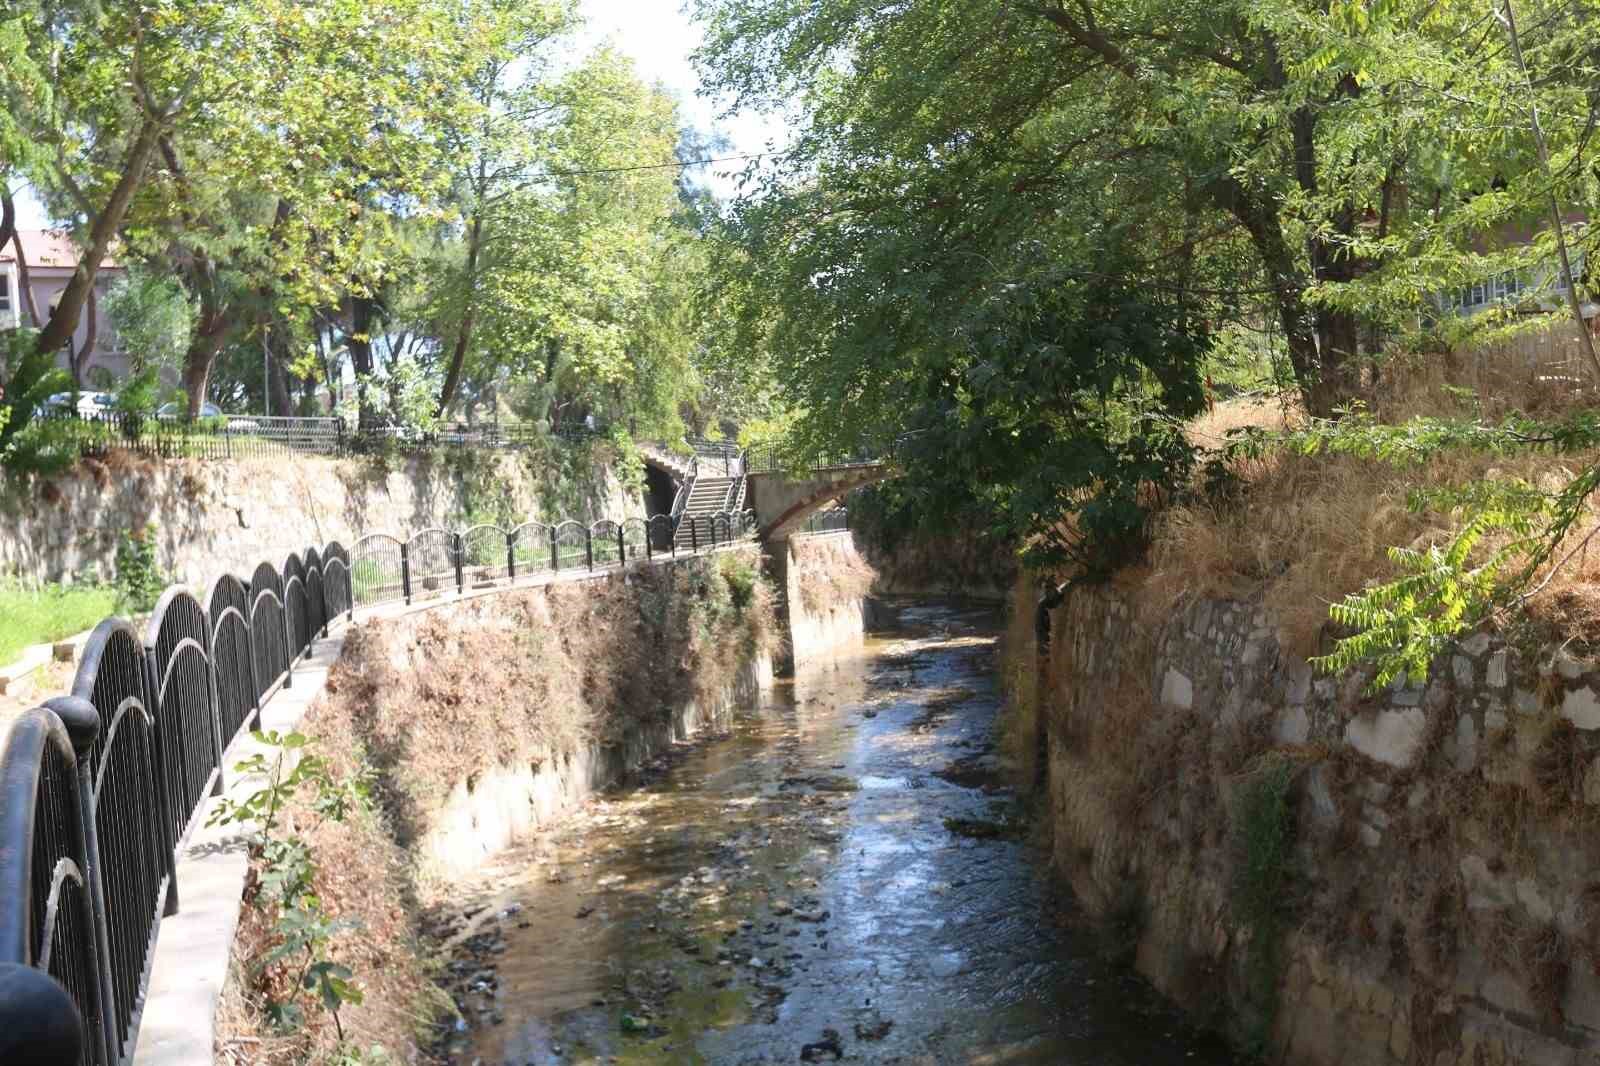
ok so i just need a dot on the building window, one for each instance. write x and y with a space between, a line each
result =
5 294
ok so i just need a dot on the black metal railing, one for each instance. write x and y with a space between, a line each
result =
772 459
833 520
99 789
383 568
249 436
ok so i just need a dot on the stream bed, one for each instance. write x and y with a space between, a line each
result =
845 876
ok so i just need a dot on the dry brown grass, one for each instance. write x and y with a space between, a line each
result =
1311 529
829 572
1211 430
373 893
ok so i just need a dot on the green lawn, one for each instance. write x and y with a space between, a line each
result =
33 616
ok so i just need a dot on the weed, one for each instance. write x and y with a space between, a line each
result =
296 969
1264 841
139 579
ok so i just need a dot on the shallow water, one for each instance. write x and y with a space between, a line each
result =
844 872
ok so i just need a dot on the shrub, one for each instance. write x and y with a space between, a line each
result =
139 580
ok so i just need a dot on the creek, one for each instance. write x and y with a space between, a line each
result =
845 876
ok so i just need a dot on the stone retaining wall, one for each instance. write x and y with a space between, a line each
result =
213 516
823 583
1443 892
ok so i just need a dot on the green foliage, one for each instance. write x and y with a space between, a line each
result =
36 615
741 578
1506 531
152 316
400 396
28 446
140 394
1264 841
139 580
303 933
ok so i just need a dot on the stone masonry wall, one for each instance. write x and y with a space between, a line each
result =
215 516
1443 900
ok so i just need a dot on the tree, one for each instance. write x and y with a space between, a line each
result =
587 270
494 150
152 317
1280 157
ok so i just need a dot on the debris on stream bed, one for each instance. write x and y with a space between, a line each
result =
818 886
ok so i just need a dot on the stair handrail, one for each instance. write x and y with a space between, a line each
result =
685 490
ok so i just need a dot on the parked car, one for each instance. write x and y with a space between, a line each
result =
89 404
179 410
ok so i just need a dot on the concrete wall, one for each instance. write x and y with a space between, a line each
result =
214 516
1442 901
823 584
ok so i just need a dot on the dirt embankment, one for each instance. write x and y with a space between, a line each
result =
425 706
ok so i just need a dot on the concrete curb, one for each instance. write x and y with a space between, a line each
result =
36 656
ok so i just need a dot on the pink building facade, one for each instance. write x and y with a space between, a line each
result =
51 257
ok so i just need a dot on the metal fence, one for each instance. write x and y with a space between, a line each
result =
432 562
833 520
772 459
250 436
100 789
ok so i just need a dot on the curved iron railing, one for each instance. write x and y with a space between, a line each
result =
316 604
336 593
833 520
570 546
228 613
531 548
47 895
605 537
432 556
661 528
127 798
269 628
295 606
179 680
486 553
379 570
101 787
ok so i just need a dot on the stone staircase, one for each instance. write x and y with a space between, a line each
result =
708 496
658 455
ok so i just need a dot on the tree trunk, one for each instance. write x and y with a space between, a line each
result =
90 336
8 214
361 308
277 381
210 332
63 323
1321 342
25 282
458 356
199 359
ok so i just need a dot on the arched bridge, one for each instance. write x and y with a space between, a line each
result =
784 500
721 477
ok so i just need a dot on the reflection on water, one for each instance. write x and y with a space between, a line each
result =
796 889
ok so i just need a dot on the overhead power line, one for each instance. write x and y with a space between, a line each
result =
678 165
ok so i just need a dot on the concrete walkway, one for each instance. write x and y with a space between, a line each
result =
178 1016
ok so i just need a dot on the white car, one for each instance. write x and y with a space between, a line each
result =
178 410
89 404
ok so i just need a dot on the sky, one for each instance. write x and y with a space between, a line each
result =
659 37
